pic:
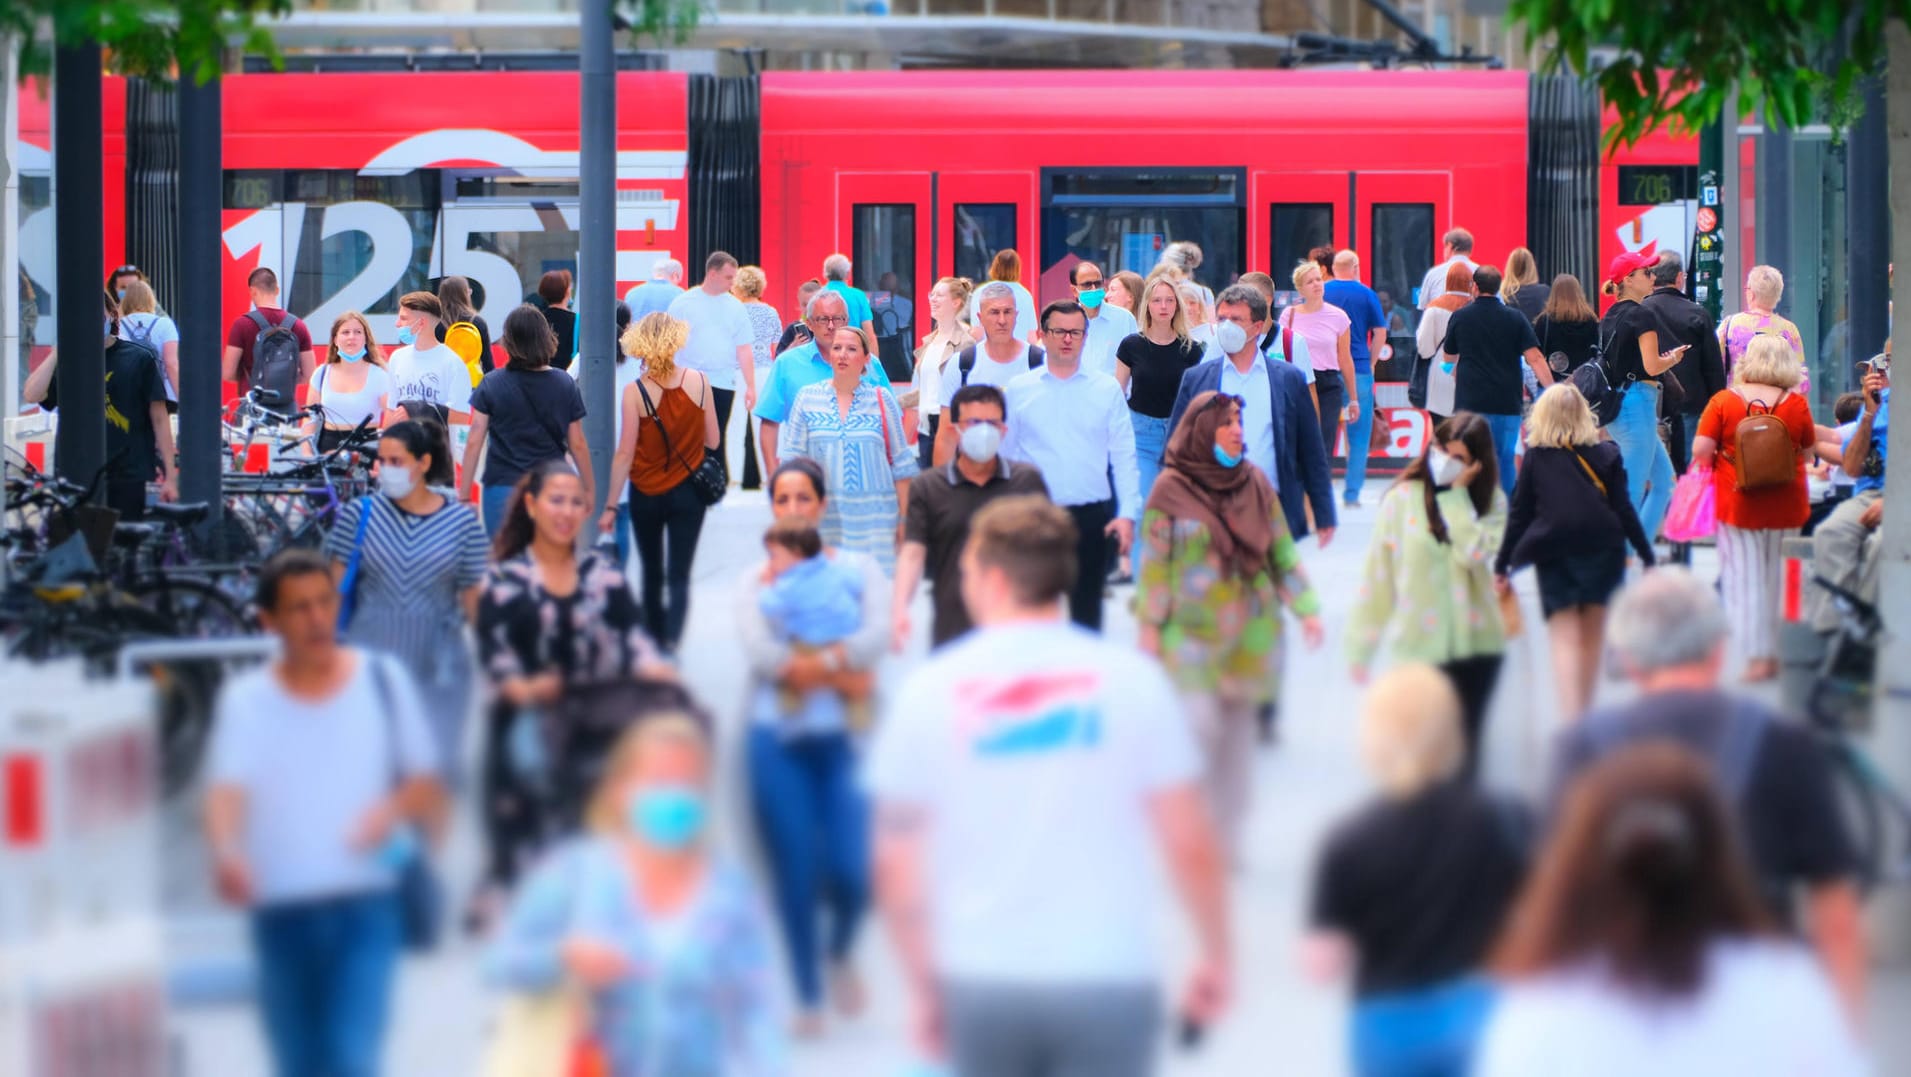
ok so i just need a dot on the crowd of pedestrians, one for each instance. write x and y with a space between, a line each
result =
1012 808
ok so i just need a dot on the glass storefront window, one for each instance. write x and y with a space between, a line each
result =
883 252
981 229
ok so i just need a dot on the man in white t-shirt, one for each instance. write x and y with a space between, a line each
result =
996 361
423 368
1108 324
1025 780
720 338
1455 246
323 778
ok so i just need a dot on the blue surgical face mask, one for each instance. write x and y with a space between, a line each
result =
1093 298
122 293
669 817
1224 457
406 336
352 357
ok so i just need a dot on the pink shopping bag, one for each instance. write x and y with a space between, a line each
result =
1694 512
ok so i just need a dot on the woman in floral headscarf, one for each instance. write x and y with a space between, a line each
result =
1218 564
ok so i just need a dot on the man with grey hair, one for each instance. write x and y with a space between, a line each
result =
1701 371
804 365
654 295
836 278
996 360
1667 632
1455 246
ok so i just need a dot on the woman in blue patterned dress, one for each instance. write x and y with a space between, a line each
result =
668 941
421 560
855 432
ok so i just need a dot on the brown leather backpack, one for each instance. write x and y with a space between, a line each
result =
1763 452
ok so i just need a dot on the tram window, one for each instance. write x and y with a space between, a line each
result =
883 250
1402 237
339 239
1294 229
981 229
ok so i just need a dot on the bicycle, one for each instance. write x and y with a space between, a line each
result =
1841 697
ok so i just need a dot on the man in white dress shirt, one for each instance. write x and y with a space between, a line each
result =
1108 325
1072 423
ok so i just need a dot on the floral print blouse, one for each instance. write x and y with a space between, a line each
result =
702 999
1736 333
1220 633
1436 601
593 636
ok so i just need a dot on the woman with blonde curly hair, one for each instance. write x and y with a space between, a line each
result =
670 421
1757 512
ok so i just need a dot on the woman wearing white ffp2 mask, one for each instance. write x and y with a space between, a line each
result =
414 558
1428 583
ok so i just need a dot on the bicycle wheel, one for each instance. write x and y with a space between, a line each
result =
193 608
1854 788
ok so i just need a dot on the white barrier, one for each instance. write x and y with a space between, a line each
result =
81 953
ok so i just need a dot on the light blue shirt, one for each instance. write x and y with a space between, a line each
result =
652 297
1106 331
1257 412
1074 429
855 300
798 368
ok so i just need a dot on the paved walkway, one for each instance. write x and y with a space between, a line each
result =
1301 787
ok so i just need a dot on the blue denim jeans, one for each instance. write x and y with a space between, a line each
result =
1426 1033
1649 476
325 977
492 503
1358 435
814 824
1151 441
1506 444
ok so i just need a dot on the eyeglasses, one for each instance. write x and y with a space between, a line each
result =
1065 334
831 319
1088 285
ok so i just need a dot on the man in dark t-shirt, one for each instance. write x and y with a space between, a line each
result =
139 437
943 500
1668 633
1486 339
263 287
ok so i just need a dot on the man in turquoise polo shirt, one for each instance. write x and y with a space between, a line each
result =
804 365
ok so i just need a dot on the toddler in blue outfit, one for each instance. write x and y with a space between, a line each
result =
812 603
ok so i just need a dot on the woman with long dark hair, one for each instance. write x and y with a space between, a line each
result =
549 619
529 411
1428 585
1629 346
1567 326
419 557
1640 945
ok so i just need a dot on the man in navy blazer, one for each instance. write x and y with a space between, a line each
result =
1300 462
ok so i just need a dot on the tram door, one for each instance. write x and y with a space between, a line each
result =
886 217
1394 221
1122 218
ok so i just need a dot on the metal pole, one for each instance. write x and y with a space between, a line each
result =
1889 913
201 342
597 233
77 165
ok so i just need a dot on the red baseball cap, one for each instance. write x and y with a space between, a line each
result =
1626 264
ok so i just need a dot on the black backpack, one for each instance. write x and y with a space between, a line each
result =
275 358
1594 381
965 360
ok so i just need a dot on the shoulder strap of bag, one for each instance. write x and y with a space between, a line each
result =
348 587
543 420
669 449
1036 357
1590 473
965 362
258 319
